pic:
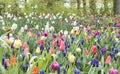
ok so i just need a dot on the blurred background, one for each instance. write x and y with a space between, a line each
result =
79 7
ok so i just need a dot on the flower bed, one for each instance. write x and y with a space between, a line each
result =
53 44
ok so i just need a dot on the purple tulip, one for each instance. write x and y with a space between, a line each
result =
113 71
54 35
55 65
45 34
96 32
119 31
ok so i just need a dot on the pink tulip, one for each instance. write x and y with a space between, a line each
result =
94 49
62 45
55 65
54 43
24 45
108 60
26 50
113 71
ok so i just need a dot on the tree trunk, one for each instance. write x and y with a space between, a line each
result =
84 6
78 4
105 6
92 6
116 6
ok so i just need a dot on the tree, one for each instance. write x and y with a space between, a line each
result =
84 6
78 4
116 6
105 2
92 5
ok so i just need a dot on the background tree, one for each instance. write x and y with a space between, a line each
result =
92 5
116 6
84 6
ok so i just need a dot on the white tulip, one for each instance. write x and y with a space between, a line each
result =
25 27
37 27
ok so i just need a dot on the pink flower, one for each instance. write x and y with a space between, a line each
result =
41 42
96 32
26 50
118 25
45 34
108 60
55 65
54 43
62 45
54 35
94 49
24 45
113 71
86 52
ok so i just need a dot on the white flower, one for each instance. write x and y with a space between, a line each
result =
37 26
51 28
3 27
47 27
22 29
74 23
65 32
54 17
9 6
67 5
14 26
76 28
66 20
60 17
53 22
11 34
25 27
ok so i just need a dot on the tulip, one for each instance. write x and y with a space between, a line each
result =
38 50
17 43
71 58
118 54
108 60
78 50
94 49
62 45
113 71
13 59
55 65
51 51
35 70
26 51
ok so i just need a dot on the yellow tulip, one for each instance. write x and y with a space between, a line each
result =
43 37
71 58
72 31
17 43
118 54
78 50
38 50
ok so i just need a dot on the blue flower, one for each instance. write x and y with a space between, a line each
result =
116 50
76 71
58 71
78 62
103 50
41 71
112 54
95 62
41 47
3 59
64 71
38 33
23 56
